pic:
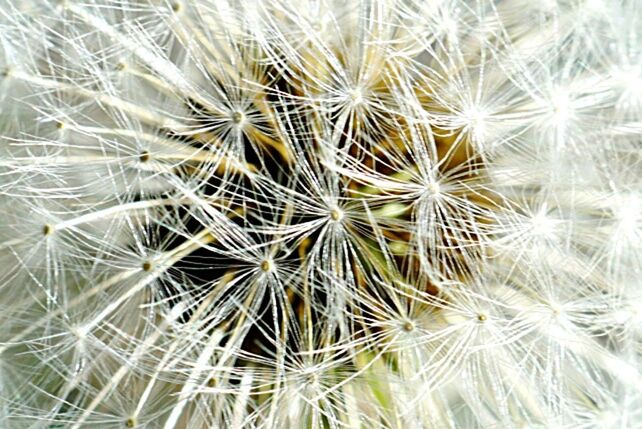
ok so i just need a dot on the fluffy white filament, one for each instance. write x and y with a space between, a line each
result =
320 214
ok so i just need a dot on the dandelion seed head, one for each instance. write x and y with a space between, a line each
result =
320 214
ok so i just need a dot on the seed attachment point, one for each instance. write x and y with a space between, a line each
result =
238 117
355 95
130 422
482 317
266 266
432 188
408 326
147 266
336 214
47 230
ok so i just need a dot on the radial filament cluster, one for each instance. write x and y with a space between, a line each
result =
320 214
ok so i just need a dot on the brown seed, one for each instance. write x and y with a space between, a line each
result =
336 214
47 230
266 265
147 266
144 156
237 117
130 422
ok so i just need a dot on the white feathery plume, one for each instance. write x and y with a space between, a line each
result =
320 214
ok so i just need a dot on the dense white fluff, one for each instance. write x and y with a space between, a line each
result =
320 214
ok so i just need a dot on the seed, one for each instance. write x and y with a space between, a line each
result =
266 265
336 214
47 229
237 117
